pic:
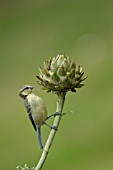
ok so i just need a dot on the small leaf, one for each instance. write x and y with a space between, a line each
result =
40 71
61 71
72 65
79 85
83 78
73 90
39 77
78 76
65 64
55 77
71 74
19 167
60 59
54 65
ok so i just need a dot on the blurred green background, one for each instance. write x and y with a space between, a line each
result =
30 33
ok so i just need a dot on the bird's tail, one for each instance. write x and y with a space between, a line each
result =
38 131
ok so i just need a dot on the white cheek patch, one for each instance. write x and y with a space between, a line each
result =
26 92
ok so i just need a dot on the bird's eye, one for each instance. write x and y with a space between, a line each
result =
27 88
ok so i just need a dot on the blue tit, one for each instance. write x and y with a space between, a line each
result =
36 109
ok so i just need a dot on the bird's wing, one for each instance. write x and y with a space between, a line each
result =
28 108
39 136
32 121
37 129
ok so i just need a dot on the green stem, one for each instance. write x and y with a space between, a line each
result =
59 108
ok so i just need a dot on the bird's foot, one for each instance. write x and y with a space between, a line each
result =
54 127
51 127
55 114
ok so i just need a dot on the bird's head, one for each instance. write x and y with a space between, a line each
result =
25 91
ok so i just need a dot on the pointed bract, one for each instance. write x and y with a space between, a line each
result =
61 74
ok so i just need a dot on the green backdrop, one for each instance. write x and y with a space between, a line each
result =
30 33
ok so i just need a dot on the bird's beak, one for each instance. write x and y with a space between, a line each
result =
32 87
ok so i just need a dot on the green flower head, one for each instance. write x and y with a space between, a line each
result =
60 74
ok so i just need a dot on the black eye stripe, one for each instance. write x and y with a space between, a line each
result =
26 88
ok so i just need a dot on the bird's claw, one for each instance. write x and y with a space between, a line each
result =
56 113
54 127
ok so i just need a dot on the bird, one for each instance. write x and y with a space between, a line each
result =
36 109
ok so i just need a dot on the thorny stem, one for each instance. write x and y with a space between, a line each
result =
59 108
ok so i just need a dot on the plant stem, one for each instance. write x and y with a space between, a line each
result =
59 108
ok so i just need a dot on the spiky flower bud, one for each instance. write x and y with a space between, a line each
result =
61 74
